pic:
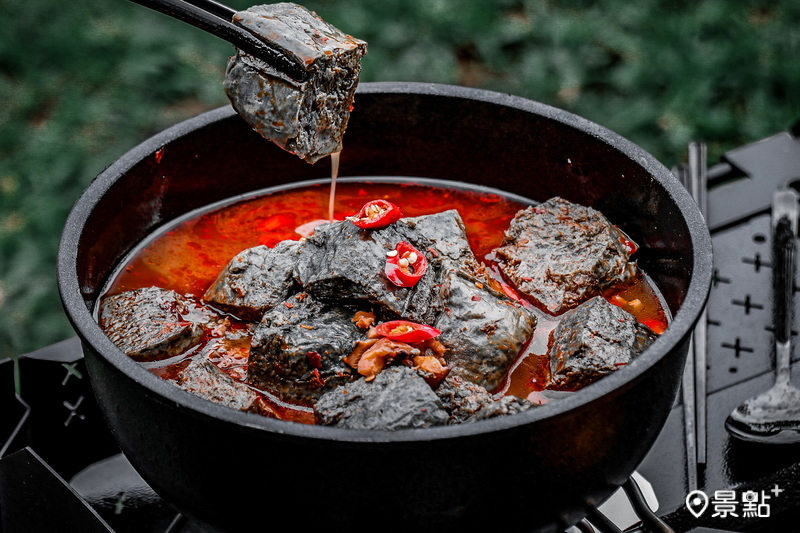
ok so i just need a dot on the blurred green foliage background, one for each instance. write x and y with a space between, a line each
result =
83 82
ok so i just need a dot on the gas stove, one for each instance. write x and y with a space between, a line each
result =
60 468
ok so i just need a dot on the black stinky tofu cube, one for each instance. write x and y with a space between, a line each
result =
307 118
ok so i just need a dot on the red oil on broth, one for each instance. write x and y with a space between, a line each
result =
188 256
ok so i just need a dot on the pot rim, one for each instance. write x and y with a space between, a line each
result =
680 328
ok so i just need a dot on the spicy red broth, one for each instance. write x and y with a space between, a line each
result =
188 256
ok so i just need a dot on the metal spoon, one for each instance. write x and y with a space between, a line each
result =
774 416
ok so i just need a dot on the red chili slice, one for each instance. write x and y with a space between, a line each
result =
405 265
376 214
406 331
630 246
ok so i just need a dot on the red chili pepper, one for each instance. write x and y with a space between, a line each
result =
405 265
314 359
627 242
376 214
405 331
656 326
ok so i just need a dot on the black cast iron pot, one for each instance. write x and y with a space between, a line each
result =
534 471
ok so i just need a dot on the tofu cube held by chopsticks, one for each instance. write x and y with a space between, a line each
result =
307 118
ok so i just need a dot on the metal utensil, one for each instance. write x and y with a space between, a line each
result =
698 188
774 416
694 178
216 19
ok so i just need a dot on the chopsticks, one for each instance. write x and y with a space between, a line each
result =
216 19
695 179
698 181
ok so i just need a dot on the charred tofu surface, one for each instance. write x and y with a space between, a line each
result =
399 323
307 118
559 254
593 340
151 324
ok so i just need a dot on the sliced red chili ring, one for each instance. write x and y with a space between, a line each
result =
405 265
377 214
406 331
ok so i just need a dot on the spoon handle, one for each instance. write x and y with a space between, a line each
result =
784 240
